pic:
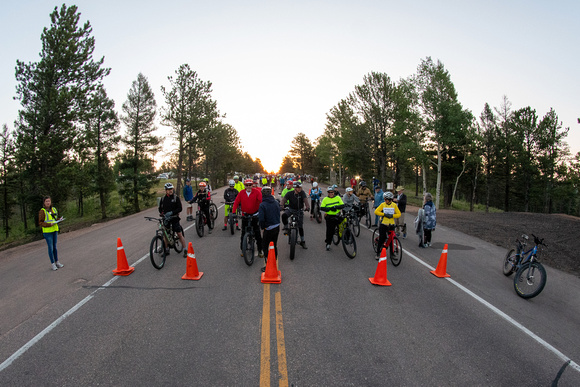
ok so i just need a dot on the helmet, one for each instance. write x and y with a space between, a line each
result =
349 189
168 186
298 185
290 183
248 182
330 189
388 195
266 189
232 183
206 180
363 183
314 185
202 184
236 177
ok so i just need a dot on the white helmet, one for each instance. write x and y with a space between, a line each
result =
349 189
314 185
232 183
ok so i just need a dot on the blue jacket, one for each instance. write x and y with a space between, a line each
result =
378 198
430 216
269 212
187 193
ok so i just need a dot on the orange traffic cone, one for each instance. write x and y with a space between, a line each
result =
272 275
380 277
442 265
191 273
123 267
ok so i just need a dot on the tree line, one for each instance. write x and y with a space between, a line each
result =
416 132
68 142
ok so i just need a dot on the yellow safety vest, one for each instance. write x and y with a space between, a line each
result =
47 218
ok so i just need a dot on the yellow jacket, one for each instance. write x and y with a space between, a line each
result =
385 208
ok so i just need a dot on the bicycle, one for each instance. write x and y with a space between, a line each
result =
344 232
293 233
213 210
530 277
364 211
200 222
248 245
232 218
316 213
392 244
157 252
355 220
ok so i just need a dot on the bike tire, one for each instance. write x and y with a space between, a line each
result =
248 249
368 219
375 240
157 252
530 280
318 214
293 235
231 223
349 243
199 226
177 246
509 263
396 252
335 236
356 226
213 211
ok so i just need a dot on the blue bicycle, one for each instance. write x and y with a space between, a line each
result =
530 276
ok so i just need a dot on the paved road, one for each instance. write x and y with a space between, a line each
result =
324 325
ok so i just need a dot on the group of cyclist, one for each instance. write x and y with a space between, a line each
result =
262 210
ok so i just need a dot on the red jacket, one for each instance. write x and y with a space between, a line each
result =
249 204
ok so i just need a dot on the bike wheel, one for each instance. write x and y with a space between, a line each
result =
509 263
336 237
349 243
231 223
177 246
248 249
376 240
213 211
356 226
530 280
396 252
292 237
318 214
199 225
368 219
157 252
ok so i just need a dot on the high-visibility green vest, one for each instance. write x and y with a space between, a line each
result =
49 219
329 202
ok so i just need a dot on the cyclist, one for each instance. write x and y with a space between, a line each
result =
238 184
187 196
332 205
229 197
389 211
269 218
206 180
289 187
364 194
249 200
315 194
203 199
169 208
296 200
350 200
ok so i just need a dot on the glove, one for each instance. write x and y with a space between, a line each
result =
168 215
389 215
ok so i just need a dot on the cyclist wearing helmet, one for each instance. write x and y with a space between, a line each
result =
315 194
203 199
206 180
289 187
389 211
296 200
229 196
169 208
364 194
238 184
249 200
187 196
331 205
269 218
350 200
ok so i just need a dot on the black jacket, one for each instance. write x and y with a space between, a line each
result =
295 202
269 212
170 204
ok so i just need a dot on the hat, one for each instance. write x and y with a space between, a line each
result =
400 188
188 179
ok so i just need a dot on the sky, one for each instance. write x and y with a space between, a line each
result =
277 68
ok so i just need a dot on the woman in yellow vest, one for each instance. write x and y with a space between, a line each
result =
47 219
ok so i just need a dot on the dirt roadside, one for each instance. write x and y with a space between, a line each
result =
559 232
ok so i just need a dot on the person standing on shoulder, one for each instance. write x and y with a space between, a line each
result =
187 196
169 208
377 202
401 201
48 219
430 219
332 205
389 211
269 218
230 195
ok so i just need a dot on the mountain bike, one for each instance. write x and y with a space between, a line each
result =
201 221
392 244
530 276
232 218
164 232
344 232
293 232
248 242
213 210
364 212
316 213
355 220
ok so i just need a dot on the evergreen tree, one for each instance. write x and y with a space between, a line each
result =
136 163
7 153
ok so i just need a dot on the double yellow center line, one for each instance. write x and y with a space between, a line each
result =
265 356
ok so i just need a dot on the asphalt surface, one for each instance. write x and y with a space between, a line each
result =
324 325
